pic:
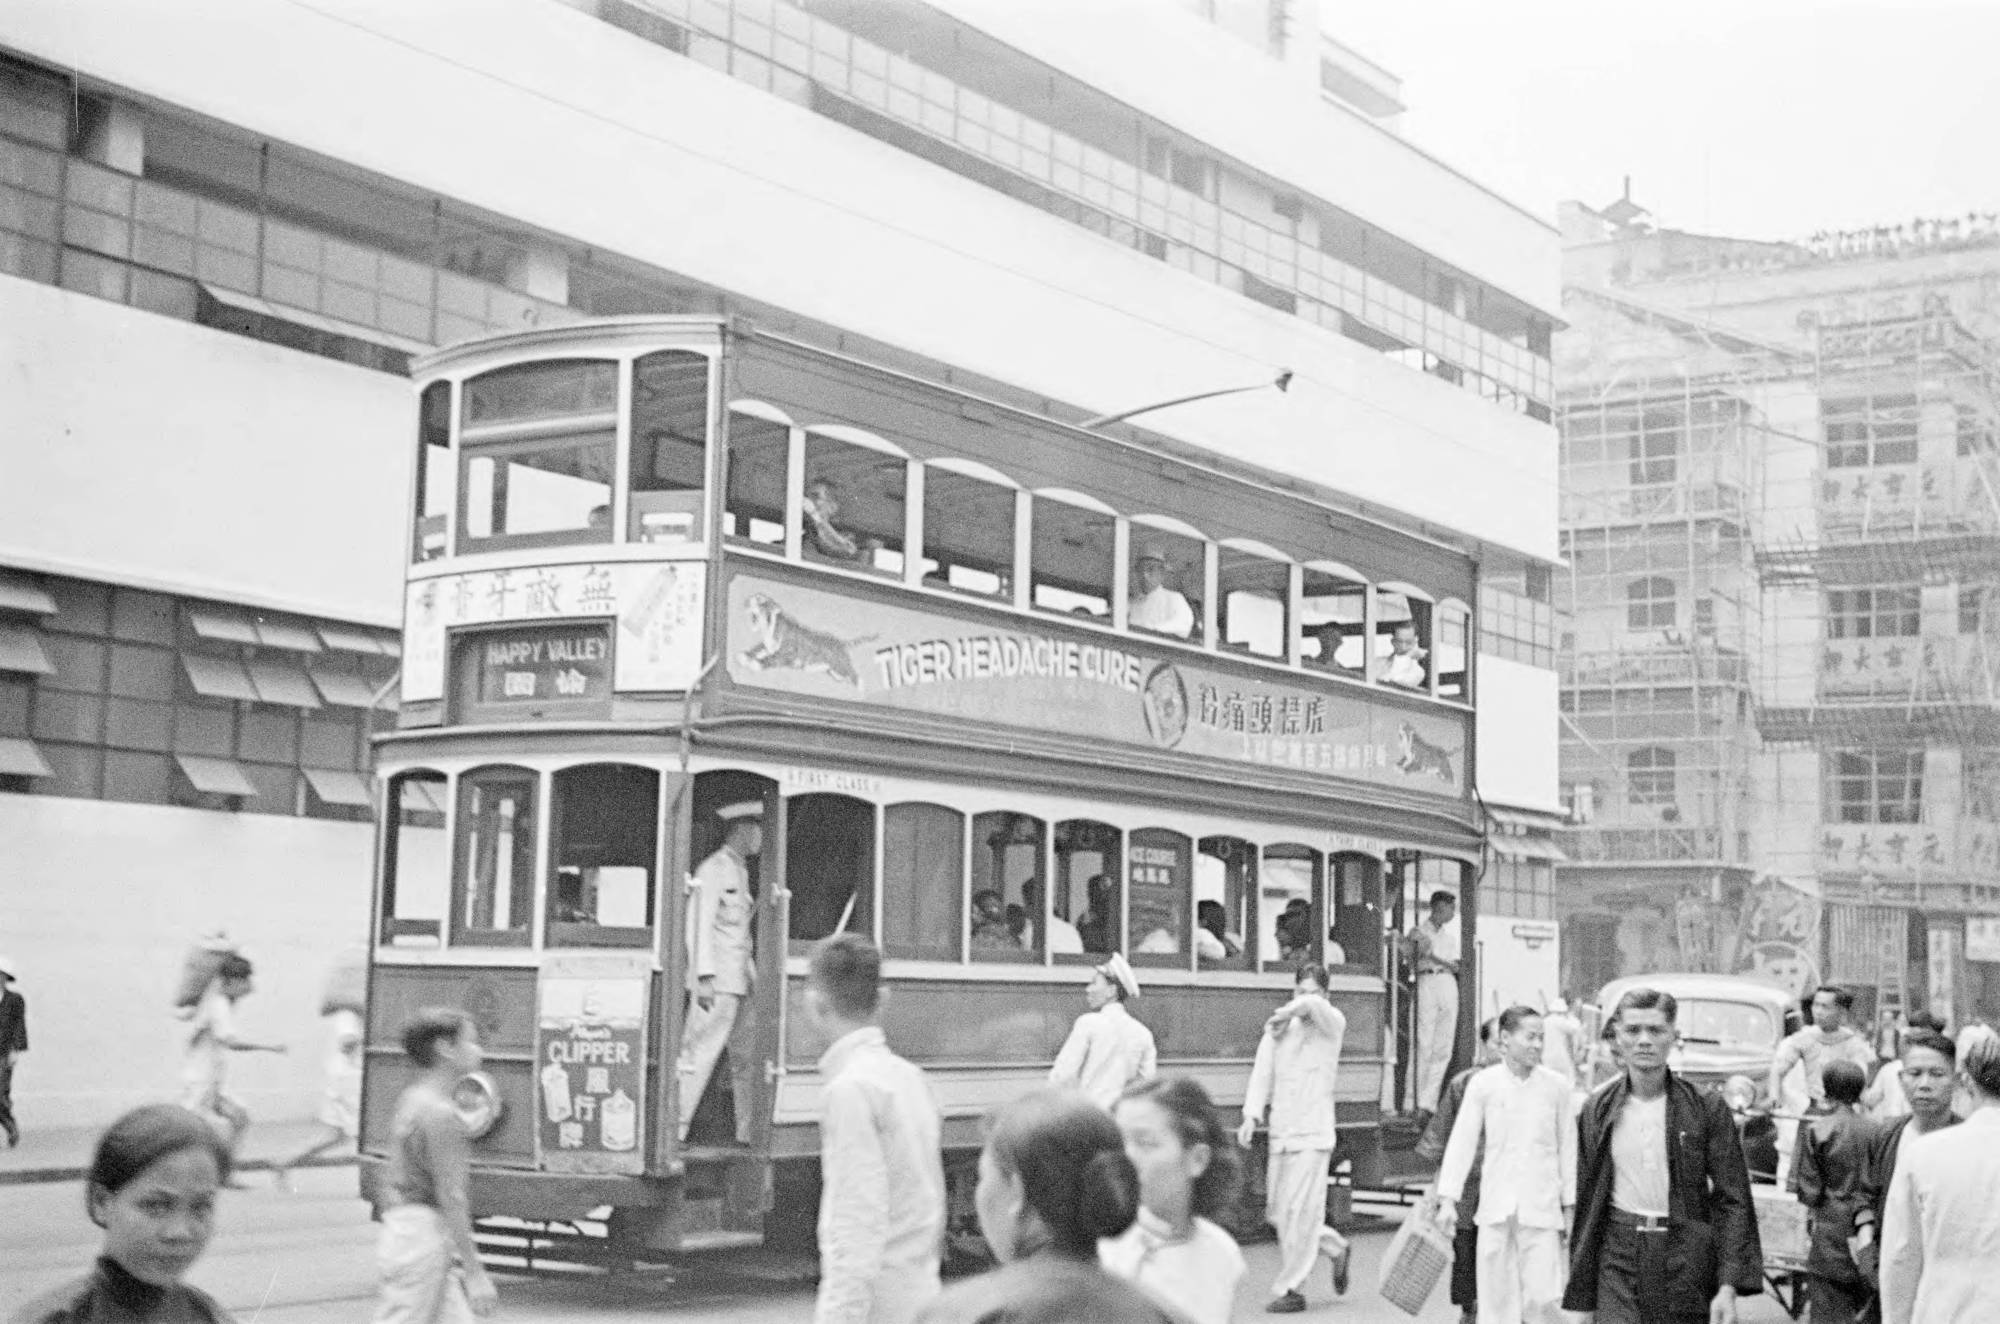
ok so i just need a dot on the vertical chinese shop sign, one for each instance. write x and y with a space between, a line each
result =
590 1064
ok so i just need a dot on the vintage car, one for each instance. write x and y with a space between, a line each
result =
1729 1025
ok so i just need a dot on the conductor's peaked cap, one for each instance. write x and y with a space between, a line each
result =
741 810
1119 972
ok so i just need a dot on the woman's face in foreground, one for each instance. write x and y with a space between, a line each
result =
157 1225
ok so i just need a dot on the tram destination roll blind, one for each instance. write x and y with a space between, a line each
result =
540 665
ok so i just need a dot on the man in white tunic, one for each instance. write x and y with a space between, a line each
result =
1527 1186
1295 1077
1434 949
721 966
1107 1049
1153 606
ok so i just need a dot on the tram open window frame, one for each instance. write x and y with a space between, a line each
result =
1396 606
1333 618
415 801
1075 902
924 870
1186 572
1355 898
547 417
1451 676
618 806
1273 865
1236 859
668 451
1159 887
981 509
1250 577
472 851
1073 555
756 493
433 500
1001 840
829 834
870 480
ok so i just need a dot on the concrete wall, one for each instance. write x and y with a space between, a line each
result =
1519 744
98 903
541 114
143 450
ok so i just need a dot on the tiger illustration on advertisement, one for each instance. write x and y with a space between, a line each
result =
1419 757
782 644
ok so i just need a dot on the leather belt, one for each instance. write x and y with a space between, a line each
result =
1640 1222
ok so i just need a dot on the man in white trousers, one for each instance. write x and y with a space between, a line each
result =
1297 1069
721 964
1434 950
1527 1188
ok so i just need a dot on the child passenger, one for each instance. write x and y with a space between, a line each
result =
151 1187
1188 1168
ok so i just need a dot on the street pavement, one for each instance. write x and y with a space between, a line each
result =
306 1257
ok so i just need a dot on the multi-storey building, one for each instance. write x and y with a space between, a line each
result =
1782 678
225 230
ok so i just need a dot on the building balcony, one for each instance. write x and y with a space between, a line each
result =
1703 664
1666 845
1645 504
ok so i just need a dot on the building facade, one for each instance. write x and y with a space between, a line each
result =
1780 514
216 267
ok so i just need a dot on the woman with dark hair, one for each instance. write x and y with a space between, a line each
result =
152 1188
1830 1177
1188 1169
1941 1231
1053 1182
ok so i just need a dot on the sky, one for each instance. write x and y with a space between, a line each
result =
1766 119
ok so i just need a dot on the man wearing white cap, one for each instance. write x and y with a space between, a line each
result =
1153 606
721 965
13 1043
1107 1049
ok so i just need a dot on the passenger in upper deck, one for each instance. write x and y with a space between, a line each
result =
1153 606
1405 664
824 539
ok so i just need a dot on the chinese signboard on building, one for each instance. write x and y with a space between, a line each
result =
590 1064
806 641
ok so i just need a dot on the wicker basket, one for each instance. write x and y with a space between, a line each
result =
1781 1226
1418 1258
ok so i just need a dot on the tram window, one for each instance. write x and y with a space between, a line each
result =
537 492
1168 573
493 858
669 469
541 392
433 498
1225 890
605 835
855 501
1288 892
1074 557
1083 922
416 860
1332 617
1255 593
829 867
968 534
1401 648
1454 638
1007 880
1355 938
923 881
1159 883
759 456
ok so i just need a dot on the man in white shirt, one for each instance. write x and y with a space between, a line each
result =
1527 1189
721 965
1107 1049
1153 606
1295 1078
1434 951
1405 664
1828 1039
205 1076
882 1197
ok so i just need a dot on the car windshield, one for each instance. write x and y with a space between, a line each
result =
1727 1025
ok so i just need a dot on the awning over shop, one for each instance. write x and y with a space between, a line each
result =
224 626
339 788
215 776
20 758
21 650
1527 820
20 595
344 689
250 303
293 638
351 639
279 682
218 677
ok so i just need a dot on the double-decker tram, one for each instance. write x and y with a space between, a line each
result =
1003 694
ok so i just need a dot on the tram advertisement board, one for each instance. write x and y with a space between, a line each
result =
590 1064
807 641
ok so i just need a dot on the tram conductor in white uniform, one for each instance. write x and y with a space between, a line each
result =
1107 1048
1435 952
721 965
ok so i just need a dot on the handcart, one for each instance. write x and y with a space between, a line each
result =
1781 1225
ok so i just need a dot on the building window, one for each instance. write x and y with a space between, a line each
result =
1971 602
968 533
1863 431
1649 776
537 454
604 843
1074 556
1649 604
1874 613
1655 448
759 463
669 469
1877 786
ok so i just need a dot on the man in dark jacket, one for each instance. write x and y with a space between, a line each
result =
1665 1229
13 1043
1831 1179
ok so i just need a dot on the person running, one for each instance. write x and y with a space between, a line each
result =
1294 1079
1054 1182
1941 1228
152 1187
1519 1112
340 1110
1187 1170
1431 1147
429 1265
212 1038
1665 1230
1831 1180
882 1194
1107 1049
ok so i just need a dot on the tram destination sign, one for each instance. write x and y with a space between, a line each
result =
541 664
806 641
